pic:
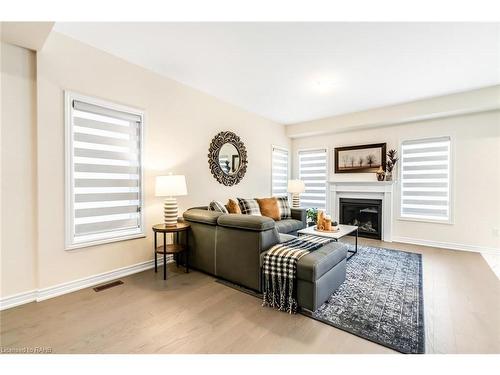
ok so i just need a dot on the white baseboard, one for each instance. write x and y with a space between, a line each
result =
73 286
17 299
447 245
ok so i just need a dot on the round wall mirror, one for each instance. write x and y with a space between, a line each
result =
227 158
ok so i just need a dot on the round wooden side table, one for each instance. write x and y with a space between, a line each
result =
175 248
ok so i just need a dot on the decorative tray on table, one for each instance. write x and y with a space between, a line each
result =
334 229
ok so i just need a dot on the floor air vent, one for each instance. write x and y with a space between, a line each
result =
107 286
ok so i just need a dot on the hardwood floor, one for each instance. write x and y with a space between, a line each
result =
191 313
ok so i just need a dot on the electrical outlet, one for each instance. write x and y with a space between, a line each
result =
495 232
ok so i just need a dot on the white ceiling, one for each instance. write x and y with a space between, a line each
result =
273 69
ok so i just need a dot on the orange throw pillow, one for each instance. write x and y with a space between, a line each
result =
233 207
269 207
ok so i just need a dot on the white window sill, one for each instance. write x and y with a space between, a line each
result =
75 246
431 221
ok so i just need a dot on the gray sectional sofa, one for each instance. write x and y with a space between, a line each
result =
231 247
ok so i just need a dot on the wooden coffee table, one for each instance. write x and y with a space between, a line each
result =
343 231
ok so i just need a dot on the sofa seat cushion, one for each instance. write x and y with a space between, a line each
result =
289 225
286 237
315 264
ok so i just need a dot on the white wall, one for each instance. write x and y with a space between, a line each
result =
18 172
180 123
476 173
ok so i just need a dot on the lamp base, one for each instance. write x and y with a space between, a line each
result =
170 210
295 200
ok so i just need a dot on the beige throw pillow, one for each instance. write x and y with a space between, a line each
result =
269 207
233 207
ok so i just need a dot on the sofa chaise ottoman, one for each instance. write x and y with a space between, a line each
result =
231 247
319 273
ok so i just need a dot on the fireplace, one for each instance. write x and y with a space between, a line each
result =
365 213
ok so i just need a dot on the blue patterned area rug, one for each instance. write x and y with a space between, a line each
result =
381 300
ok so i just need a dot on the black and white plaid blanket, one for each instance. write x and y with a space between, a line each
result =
280 270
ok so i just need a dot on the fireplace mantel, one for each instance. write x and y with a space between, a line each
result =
382 190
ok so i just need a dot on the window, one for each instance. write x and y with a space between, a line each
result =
279 171
313 171
425 179
103 172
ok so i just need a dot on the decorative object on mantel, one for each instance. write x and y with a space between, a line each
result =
170 187
227 158
295 187
380 174
312 216
390 164
360 159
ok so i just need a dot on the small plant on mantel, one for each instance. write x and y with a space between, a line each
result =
390 164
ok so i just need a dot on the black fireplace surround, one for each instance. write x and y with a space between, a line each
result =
365 213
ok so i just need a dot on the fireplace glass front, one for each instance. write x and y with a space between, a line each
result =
365 213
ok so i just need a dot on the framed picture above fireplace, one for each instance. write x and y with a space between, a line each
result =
360 159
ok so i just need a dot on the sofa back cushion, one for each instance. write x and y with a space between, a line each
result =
233 207
269 207
202 215
284 208
249 207
217 207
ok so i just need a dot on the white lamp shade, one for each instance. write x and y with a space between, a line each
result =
170 186
296 186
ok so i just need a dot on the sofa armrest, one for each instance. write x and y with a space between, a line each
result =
300 214
202 216
247 222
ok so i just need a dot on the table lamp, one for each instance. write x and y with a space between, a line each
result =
295 187
170 186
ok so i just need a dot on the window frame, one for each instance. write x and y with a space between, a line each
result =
451 185
288 174
69 240
327 171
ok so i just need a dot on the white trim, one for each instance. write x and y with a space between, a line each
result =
17 299
447 245
390 123
104 241
69 96
73 286
382 190
422 220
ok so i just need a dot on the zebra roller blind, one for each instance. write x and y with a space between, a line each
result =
104 183
313 171
425 179
279 171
